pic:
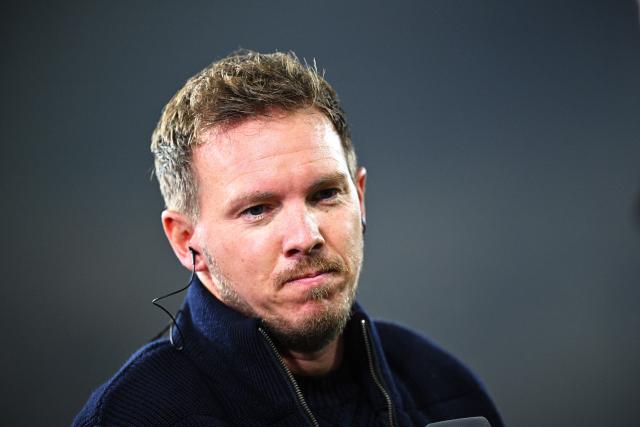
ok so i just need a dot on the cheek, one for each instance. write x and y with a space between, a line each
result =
249 256
345 230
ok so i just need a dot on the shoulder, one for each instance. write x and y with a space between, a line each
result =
432 377
416 358
157 385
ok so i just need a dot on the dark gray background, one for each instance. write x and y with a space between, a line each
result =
502 143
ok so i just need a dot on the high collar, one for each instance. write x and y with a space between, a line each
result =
228 347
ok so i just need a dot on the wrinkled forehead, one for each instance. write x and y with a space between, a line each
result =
289 135
269 149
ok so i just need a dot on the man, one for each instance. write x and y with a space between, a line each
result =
265 203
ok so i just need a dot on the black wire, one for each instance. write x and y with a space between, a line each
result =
173 318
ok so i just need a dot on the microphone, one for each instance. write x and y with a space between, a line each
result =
462 422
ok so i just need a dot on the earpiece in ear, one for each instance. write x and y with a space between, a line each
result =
193 260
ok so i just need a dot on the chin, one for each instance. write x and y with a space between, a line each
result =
314 324
310 334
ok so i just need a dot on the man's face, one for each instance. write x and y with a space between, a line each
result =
280 224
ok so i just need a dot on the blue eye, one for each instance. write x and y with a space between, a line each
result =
255 210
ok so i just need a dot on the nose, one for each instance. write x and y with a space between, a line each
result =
301 234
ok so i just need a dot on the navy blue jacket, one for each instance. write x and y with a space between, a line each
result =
229 374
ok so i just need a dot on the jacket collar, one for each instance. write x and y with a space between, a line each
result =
228 347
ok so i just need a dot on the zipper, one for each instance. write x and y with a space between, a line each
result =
296 388
374 371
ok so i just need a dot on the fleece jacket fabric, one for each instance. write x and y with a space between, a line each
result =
229 373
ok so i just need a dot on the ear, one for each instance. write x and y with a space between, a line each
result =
361 182
180 231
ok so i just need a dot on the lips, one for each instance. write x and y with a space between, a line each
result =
312 274
310 270
308 278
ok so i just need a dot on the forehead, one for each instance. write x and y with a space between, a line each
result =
261 149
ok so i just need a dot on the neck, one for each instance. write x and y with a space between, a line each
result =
316 363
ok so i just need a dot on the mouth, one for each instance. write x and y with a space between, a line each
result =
310 278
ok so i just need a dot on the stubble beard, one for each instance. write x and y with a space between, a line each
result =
313 333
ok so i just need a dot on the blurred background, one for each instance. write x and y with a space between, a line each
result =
502 140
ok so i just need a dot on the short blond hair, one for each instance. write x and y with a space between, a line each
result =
238 87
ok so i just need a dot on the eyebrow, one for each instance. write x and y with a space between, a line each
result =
258 197
337 178
253 198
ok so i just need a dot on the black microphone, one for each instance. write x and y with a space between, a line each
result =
462 422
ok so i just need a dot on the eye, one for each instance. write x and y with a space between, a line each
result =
326 194
256 210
